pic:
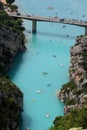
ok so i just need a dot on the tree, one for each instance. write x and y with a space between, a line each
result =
1 6
9 1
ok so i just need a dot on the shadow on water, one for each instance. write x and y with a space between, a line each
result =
16 65
34 38
51 34
12 72
24 119
56 35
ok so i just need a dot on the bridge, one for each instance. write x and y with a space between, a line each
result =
34 20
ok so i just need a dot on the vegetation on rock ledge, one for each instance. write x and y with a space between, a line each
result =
9 23
75 118
10 104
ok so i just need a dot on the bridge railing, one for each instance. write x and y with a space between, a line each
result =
51 19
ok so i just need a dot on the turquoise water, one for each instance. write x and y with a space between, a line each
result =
46 52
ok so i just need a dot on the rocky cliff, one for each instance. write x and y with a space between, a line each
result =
11 98
74 93
10 44
11 104
77 67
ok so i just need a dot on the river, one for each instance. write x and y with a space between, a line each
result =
42 69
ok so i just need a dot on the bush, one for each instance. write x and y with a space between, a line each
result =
69 86
12 24
76 118
70 102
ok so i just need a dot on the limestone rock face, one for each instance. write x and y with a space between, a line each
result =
10 45
77 71
75 96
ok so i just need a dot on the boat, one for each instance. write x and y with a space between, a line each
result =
54 55
45 73
33 100
57 40
61 65
38 91
50 7
49 84
48 115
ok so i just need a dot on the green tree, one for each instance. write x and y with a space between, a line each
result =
1 6
9 1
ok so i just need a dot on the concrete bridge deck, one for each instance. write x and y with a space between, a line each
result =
50 19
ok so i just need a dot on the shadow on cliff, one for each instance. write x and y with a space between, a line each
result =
25 121
18 59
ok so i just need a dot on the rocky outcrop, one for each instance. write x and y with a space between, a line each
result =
74 93
11 104
10 44
77 71
11 98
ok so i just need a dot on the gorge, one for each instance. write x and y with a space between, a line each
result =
75 91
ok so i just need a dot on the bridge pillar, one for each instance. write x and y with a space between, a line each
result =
34 26
85 30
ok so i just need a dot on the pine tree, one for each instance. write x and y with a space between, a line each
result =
9 1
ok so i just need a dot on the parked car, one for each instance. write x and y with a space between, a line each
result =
18 13
28 15
61 19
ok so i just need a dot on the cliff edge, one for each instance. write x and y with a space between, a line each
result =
74 93
11 104
10 44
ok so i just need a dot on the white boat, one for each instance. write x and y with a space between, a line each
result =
61 65
57 40
38 91
48 115
50 7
